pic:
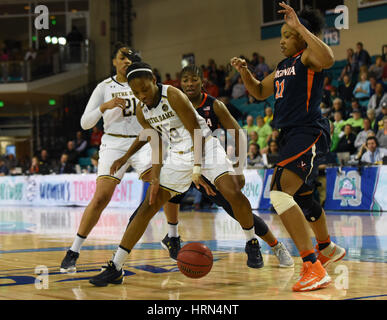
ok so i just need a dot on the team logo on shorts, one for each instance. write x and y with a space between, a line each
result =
302 166
165 107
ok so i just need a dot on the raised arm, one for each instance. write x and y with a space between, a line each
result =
317 55
260 90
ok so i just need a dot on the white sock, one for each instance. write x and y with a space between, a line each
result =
172 230
78 241
119 258
250 234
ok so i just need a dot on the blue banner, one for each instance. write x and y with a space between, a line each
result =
351 188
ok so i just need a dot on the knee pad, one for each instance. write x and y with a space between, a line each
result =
311 208
281 201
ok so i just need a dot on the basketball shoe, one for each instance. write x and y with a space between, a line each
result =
109 275
313 276
283 255
173 245
332 253
254 256
69 261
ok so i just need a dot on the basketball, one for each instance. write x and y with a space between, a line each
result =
195 260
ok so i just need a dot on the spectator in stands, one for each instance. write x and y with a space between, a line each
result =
168 79
262 70
273 137
253 137
71 153
349 68
356 121
333 94
382 134
4 171
363 148
95 138
272 156
231 153
80 144
374 153
373 84
255 59
345 90
384 75
325 111
380 117
250 124
378 99
211 88
362 89
376 70
371 115
238 90
347 141
328 83
11 161
254 158
362 135
227 89
362 56
65 166
34 168
339 107
4 56
268 115
45 165
264 131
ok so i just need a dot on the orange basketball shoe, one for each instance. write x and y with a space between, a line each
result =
330 254
313 276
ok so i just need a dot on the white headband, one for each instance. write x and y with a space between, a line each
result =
140 69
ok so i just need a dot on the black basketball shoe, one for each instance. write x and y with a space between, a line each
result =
172 244
254 256
109 275
69 261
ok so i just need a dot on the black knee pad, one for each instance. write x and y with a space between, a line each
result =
311 208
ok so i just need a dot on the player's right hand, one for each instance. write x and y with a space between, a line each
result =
238 63
199 181
117 165
113 103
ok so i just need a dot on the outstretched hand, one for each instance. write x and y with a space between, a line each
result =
117 165
290 15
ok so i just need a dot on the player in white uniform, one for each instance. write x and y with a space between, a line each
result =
169 111
114 101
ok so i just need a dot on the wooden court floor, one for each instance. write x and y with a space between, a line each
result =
33 241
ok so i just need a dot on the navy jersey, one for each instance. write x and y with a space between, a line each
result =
206 110
298 94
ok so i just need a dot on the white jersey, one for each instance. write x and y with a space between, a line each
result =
165 120
116 120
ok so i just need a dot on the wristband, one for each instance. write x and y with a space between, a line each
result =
197 170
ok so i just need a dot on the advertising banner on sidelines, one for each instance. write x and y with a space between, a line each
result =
351 189
253 186
66 190
265 203
380 197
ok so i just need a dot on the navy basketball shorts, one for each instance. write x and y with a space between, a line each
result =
302 150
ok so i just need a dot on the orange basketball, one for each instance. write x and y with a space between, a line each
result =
195 260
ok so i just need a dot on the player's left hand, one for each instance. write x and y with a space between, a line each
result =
199 181
290 16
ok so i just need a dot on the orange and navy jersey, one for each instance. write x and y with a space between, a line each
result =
298 94
206 110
